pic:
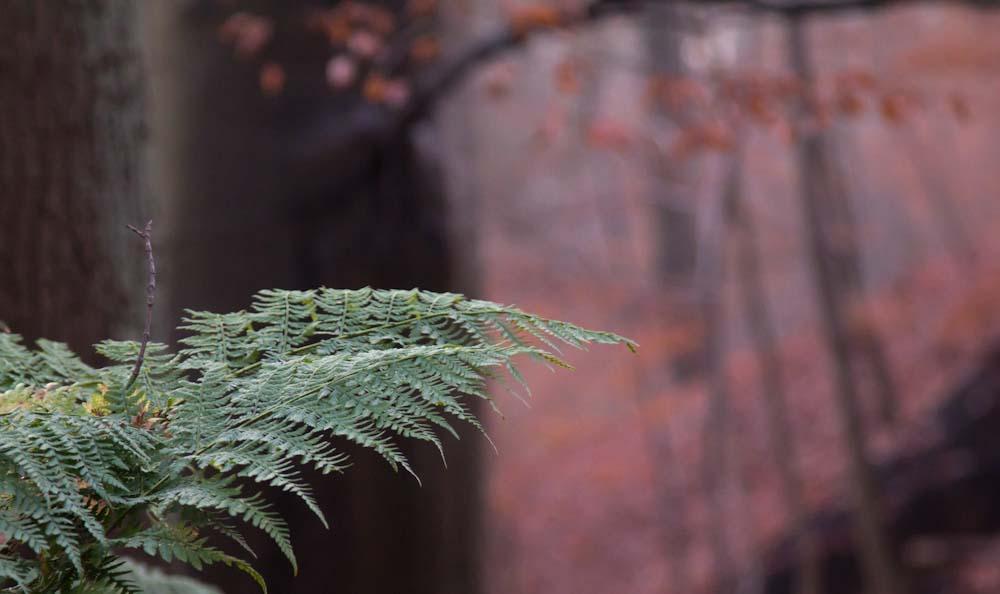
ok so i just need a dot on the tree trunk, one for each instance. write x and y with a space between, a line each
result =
71 129
876 553
265 193
946 212
753 296
840 227
717 467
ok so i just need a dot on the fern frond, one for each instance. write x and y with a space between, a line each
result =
53 464
19 571
91 462
185 544
150 580
214 494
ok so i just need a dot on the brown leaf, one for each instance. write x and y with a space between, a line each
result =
374 89
272 78
849 103
527 18
424 49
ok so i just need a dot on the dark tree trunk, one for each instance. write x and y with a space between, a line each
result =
878 561
675 266
71 128
677 236
717 466
271 191
841 229
757 314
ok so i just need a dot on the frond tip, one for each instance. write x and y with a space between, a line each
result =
92 461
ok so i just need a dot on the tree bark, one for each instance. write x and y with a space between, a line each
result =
71 130
877 558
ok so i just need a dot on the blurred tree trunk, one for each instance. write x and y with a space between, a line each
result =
265 192
935 188
717 467
71 130
843 233
878 561
841 228
677 249
753 295
675 266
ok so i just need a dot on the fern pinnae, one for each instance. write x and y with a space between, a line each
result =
249 396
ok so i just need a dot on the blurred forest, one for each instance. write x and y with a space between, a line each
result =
791 205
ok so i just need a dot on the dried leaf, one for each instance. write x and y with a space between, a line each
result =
272 78
527 18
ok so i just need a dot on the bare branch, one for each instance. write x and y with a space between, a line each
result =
147 235
451 73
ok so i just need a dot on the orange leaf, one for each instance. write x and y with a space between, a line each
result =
677 93
375 88
760 109
848 103
608 134
524 19
335 26
711 135
272 78
892 107
424 49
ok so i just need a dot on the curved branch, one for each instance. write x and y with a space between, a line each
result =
446 78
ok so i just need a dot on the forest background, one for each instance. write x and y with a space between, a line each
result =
790 205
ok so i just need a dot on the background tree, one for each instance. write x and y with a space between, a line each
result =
297 188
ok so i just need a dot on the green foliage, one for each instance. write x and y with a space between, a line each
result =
152 581
91 467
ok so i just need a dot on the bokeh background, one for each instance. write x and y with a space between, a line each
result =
791 205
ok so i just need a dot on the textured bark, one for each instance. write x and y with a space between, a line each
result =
880 569
71 128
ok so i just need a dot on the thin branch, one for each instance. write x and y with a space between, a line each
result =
147 236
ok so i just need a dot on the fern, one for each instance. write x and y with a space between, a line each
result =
92 464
